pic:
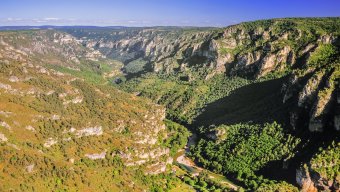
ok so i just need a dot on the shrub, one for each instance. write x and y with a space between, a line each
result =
324 54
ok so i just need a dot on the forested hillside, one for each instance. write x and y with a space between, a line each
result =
261 99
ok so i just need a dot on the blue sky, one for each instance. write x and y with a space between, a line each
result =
158 12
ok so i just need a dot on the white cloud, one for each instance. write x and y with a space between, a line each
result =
20 21
38 21
51 19
14 19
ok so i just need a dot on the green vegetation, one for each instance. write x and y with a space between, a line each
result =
275 75
45 114
241 120
177 136
234 101
184 100
273 187
324 54
299 32
326 162
314 25
204 183
89 75
242 149
258 102
135 66
93 72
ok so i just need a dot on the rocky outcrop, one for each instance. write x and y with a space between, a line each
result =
248 50
95 156
49 142
321 172
3 138
162 50
63 49
90 131
30 168
254 53
61 111
309 91
5 125
236 50
305 181
311 181
315 95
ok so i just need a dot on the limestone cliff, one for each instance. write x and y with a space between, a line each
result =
321 173
252 50
248 49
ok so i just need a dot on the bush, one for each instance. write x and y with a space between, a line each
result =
324 54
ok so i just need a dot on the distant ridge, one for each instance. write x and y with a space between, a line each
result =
9 28
56 27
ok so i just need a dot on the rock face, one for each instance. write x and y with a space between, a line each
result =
337 110
251 50
311 181
63 49
315 93
321 173
79 123
161 49
305 181
243 50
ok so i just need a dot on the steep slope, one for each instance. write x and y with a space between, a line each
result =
152 49
286 70
255 50
60 51
262 97
304 101
322 172
60 132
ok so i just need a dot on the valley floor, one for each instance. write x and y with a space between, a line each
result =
194 170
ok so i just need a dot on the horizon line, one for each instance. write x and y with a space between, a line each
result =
179 26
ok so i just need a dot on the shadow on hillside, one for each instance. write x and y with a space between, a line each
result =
312 142
258 102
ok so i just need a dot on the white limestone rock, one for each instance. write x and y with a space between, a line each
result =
50 141
3 138
30 168
90 131
95 156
